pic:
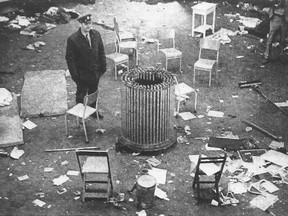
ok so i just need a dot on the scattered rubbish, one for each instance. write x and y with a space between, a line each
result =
135 154
16 153
264 201
160 194
5 97
226 143
39 203
187 115
64 162
237 188
248 129
158 174
73 173
4 19
3 153
130 200
141 213
214 203
21 178
72 149
99 130
235 96
276 158
153 161
218 114
182 140
212 148
282 104
60 180
48 169
187 130
208 169
29 124
239 57
62 190
40 194
276 145
247 155
248 84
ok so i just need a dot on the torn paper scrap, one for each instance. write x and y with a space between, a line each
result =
48 169
160 194
141 213
153 161
29 124
39 203
213 113
62 190
73 172
282 104
187 116
237 188
16 153
21 178
158 174
263 202
60 180
64 162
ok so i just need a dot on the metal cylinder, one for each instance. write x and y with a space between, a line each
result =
146 114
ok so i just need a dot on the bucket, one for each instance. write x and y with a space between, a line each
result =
145 189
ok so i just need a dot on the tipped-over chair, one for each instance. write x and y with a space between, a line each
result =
83 111
207 62
167 37
95 173
212 167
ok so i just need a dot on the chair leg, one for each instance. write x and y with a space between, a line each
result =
178 106
210 78
166 64
194 75
84 126
77 122
116 73
66 126
180 64
128 66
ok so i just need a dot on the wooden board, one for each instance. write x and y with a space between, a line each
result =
44 93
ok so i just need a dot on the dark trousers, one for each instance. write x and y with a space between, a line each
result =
85 87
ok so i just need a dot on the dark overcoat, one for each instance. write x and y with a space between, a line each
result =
85 63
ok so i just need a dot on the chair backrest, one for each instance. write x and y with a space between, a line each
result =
209 44
111 38
219 161
166 34
100 158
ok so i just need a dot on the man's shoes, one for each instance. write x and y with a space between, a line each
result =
266 61
94 115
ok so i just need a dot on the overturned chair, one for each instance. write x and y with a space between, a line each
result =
211 169
96 175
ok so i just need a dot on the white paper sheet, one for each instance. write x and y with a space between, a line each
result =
158 174
60 180
276 158
217 114
187 116
73 172
30 125
39 203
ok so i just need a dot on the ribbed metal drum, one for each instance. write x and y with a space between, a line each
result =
146 109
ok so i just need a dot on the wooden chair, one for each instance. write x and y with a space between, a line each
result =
84 111
126 40
117 57
95 173
207 63
169 50
215 167
181 92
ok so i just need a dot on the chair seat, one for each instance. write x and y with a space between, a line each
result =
171 52
118 57
78 111
95 165
205 64
128 44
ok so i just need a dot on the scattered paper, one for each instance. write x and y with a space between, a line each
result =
276 145
183 89
160 194
263 202
218 114
73 173
269 186
237 188
276 158
48 169
16 153
29 124
62 190
60 180
141 213
39 203
21 178
64 162
187 116
159 175
282 104
153 161
212 148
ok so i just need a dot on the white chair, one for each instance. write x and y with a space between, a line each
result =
167 36
117 57
84 111
207 63
181 91
126 40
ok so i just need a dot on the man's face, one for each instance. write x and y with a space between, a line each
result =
86 26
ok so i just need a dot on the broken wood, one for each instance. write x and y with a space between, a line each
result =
263 130
72 149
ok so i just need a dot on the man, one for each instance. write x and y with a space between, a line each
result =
278 16
85 57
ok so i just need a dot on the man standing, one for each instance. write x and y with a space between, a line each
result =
278 16
85 57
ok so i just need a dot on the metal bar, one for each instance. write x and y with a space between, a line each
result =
72 149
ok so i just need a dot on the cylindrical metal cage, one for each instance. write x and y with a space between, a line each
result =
146 109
